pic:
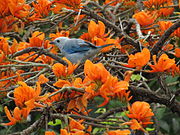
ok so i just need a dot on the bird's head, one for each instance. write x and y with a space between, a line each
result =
60 41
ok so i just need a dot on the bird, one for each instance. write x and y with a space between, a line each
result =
77 50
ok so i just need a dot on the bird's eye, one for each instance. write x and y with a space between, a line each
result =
58 41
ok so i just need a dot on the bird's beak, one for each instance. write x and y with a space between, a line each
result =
52 42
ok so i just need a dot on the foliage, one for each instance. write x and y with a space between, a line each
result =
131 87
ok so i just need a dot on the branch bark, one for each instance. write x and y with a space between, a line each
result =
153 97
109 24
163 38
41 50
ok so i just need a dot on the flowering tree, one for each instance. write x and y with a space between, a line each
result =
129 88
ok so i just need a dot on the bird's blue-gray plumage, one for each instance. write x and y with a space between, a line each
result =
77 50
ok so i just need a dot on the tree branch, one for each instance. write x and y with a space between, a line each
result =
38 124
153 97
163 38
37 49
116 29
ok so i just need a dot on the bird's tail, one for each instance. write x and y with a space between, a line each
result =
102 46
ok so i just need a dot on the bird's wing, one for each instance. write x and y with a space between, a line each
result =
77 45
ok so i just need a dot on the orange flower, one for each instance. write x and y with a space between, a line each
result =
3 25
20 46
44 60
75 128
77 82
134 125
10 23
11 11
96 34
127 75
105 84
50 133
4 10
163 64
165 11
75 125
96 30
168 47
114 2
42 7
59 34
64 132
54 97
175 70
27 96
62 71
164 25
119 132
37 40
17 116
100 41
111 87
95 72
144 18
79 103
4 46
57 9
139 60
79 99
177 52
78 18
17 8
34 17
9 73
141 112
2 57
156 3
126 3
62 83
72 4
42 79
124 96
14 47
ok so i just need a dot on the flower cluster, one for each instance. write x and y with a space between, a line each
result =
141 114
36 77
97 35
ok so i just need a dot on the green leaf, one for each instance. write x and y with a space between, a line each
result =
97 130
122 114
150 129
164 125
160 113
101 110
136 77
175 125
1 108
57 122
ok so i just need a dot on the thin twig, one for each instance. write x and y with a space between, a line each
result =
37 75
164 37
67 89
153 97
23 74
36 49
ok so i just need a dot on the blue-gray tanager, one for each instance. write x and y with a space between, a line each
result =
77 50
